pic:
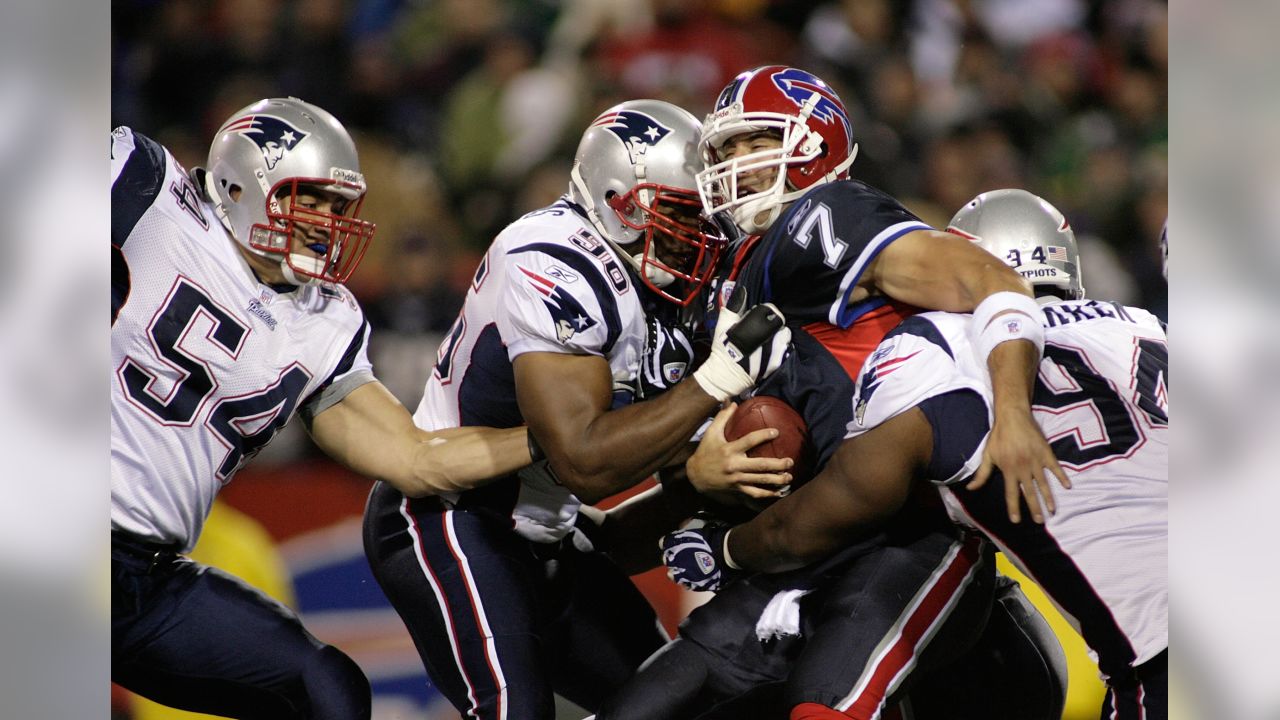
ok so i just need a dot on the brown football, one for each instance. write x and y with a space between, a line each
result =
764 411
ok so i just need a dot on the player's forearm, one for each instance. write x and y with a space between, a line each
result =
1013 368
777 542
462 458
941 271
621 447
630 531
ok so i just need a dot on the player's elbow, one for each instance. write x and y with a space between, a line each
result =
590 482
423 483
994 276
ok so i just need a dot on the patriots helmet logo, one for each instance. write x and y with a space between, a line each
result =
799 86
569 316
635 130
273 136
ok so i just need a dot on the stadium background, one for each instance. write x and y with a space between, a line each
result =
466 113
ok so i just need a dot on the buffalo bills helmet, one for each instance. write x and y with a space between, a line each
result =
270 150
794 105
633 174
1029 234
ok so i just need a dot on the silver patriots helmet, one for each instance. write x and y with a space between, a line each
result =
268 151
634 175
1029 234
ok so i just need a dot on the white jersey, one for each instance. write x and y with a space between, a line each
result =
1102 400
208 363
548 283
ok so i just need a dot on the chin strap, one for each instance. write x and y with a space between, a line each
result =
293 278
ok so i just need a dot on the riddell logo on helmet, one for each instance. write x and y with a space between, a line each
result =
273 136
346 177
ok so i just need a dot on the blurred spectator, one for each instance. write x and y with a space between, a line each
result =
423 300
688 55
1066 98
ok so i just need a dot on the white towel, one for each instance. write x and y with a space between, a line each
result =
781 617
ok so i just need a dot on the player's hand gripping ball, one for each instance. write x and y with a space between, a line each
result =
764 411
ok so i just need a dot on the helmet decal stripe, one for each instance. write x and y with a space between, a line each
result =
732 92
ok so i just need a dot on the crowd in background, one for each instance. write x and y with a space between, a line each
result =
467 112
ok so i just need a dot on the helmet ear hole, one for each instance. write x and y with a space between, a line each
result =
233 190
621 204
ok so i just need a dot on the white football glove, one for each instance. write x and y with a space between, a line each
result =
743 352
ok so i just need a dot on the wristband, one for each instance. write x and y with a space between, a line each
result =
724 550
1020 321
535 450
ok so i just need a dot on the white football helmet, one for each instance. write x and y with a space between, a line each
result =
1029 234
634 175
272 149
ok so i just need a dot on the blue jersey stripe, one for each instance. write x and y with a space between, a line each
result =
487 390
136 187
121 282
959 421
848 313
345 364
595 277
922 328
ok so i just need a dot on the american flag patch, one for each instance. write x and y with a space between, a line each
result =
1056 252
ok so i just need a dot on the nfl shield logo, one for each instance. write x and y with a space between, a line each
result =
705 561
672 372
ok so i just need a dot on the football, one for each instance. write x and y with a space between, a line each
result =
764 411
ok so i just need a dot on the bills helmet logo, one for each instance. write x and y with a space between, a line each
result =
569 316
636 130
273 136
799 86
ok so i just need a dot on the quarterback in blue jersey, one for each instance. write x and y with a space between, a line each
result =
827 248
229 318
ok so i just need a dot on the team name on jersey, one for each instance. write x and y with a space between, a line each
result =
1059 314
257 310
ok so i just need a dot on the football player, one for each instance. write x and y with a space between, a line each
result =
228 318
847 263
922 410
505 598
829 249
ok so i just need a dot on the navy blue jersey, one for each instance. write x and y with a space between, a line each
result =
813 256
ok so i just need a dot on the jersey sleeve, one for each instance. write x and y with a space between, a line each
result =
556 300
810 262
923 359
352 371
138 166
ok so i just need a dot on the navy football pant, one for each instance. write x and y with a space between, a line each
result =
193 637
918 601
1143 695
502 623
